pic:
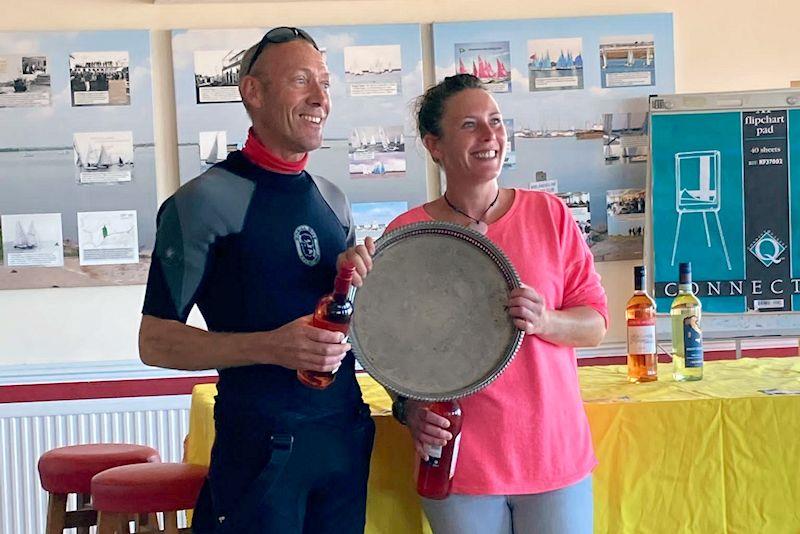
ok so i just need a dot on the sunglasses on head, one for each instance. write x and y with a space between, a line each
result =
281 34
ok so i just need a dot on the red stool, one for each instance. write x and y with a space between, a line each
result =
68 470
145 489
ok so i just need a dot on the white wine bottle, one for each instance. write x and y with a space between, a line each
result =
687 337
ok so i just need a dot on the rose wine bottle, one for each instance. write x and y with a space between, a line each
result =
641 316
436 473
333 312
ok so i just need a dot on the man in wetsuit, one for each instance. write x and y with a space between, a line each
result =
254 242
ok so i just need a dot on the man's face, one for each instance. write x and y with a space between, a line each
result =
290 102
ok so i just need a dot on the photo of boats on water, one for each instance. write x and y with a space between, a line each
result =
24 81
373 70
32 240
377 151
488 61
213 147
103 157
627 61
371 218
570 132
555 64
64 160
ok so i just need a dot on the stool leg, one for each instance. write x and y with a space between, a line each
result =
56 513
109 523
147 523
170 522
124 524
83 500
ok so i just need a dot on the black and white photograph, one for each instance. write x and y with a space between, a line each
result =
213 146
32 240
103 157
100 78
216 75
24 81
578 204
373 70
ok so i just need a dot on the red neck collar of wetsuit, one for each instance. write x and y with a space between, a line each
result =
257 153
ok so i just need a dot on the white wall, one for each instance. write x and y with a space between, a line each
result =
720 45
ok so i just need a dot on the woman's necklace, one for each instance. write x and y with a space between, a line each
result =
479 225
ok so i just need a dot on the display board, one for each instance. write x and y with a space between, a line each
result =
77 160
574 93
370 149
725 192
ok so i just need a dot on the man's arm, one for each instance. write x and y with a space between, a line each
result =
295 345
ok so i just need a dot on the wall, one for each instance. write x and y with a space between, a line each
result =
720 45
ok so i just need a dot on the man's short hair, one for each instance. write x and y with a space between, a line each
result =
280 34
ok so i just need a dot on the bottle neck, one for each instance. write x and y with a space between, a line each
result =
341 285
685 288
638 285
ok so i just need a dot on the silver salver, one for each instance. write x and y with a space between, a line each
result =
431 320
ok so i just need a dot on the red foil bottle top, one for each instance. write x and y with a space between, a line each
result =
343 279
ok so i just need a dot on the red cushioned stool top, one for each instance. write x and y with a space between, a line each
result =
145 488
70 469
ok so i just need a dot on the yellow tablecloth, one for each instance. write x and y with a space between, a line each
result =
715 456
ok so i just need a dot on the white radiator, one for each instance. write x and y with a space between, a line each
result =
29 429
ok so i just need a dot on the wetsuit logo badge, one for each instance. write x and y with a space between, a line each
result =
307 243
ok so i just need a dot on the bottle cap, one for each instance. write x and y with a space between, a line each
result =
685 271
638 277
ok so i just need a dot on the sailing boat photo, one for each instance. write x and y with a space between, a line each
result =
213 153
103 157
213 146
26 240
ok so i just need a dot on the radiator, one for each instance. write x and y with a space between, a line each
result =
29 429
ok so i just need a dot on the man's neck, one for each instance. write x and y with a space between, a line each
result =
255 151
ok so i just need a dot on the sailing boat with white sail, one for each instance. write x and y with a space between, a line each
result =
26 240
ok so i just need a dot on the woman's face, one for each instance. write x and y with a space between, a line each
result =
473 137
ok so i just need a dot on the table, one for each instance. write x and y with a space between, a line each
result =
715 456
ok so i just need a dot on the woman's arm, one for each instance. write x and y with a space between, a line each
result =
579 326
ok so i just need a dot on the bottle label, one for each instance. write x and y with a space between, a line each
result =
434 455
692 341
641 336
456 446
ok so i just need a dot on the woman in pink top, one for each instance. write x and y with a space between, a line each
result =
526 453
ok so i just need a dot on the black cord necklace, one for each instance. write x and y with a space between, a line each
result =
479 225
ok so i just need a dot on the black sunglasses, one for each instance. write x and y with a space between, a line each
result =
281 34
